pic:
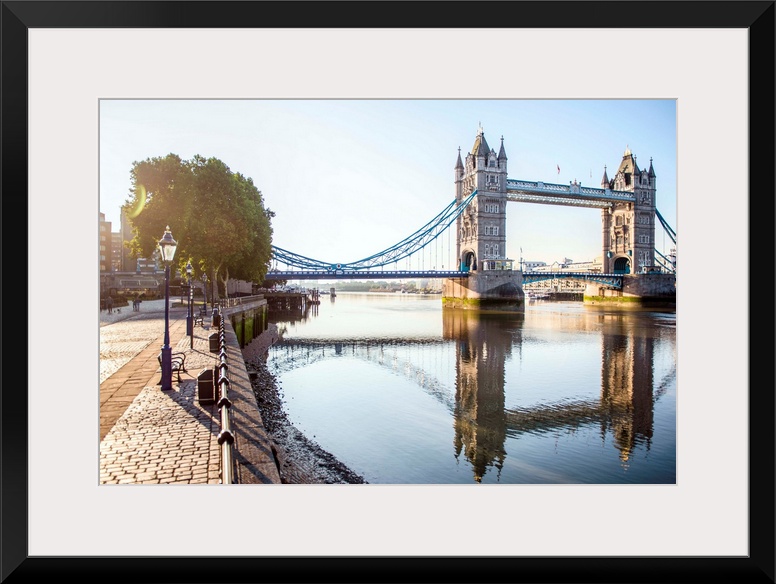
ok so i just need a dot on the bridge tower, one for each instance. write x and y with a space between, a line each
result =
481 233
481 241
629 228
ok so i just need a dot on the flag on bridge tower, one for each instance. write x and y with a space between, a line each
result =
558 168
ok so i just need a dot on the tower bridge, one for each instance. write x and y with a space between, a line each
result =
484 276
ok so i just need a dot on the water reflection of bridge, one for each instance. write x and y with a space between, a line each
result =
289 355
482 343
482 422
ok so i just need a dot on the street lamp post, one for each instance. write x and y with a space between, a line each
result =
167 246
190 316
204 294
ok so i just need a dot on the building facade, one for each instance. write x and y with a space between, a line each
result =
105 244
117 247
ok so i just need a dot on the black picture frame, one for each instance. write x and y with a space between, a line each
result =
756 16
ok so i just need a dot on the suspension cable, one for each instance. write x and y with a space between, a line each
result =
401 250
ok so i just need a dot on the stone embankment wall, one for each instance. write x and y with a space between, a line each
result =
637 290
254 459
248 320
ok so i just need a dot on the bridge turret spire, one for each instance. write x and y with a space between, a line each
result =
480 147
459 174
605 180
651 170
502 154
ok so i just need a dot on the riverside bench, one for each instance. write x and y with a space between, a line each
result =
200 318
178 361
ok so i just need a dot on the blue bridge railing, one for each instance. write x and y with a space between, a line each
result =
343 274
610 280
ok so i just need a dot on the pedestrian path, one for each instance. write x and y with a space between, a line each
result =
148 435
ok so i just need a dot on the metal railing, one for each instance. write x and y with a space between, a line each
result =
225 437
237 301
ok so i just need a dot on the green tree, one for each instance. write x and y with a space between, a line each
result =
217 216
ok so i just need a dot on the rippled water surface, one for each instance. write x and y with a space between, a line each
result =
406 392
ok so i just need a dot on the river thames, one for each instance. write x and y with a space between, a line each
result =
406 392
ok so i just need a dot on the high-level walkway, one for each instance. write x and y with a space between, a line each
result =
149 436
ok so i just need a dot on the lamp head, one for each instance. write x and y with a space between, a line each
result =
167 247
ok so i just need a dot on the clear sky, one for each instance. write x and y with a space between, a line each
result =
349 178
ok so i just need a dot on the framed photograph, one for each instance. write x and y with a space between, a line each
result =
713 523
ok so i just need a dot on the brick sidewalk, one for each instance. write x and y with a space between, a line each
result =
151 436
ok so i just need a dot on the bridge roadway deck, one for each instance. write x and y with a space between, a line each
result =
148 436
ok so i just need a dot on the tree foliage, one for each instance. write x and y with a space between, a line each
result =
217 216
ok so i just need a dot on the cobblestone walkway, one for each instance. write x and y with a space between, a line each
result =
147 435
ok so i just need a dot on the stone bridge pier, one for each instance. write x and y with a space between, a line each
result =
494 290
637 290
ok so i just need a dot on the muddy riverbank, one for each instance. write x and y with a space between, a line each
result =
300 459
